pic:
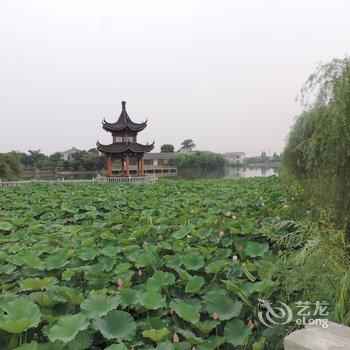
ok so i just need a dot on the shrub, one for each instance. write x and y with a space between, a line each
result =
10 167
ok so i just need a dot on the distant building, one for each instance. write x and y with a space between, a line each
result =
160 159
69 154
185 150
234 157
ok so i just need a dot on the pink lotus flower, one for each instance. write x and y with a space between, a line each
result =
250 324
176 338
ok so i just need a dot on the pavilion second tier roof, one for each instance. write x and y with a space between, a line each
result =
123 147
123 122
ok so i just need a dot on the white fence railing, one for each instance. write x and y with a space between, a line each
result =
98 180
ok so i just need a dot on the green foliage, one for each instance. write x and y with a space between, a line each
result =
188 144
315 263
199 160
96 266
90 160
167 148
318 147
20 315
10 167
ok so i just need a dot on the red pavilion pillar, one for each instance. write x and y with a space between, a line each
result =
109 166
123 165
138 166
127 165
142 166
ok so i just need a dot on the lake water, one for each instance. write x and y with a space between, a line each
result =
231 172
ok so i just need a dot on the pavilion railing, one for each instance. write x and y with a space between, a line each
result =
99 180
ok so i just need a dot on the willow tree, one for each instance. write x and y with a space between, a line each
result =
318 146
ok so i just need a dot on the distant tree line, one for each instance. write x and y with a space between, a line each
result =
198 160
187 144
264 158
90 160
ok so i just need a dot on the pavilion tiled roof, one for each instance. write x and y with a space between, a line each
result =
121 147
123 122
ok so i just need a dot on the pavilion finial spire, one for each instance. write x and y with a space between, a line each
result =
123 105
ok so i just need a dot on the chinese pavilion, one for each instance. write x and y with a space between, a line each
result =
125 147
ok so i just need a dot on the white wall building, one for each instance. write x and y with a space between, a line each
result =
69 154
234 157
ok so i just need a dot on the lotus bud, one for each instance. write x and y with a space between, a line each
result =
221 234
120 282
160 237
194 348
215 316
176 338
250 324
235 258
234 217
139 272
171 312
280 253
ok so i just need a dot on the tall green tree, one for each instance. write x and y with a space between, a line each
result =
167 148
318 146
188 144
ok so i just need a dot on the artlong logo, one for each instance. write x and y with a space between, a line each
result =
273 315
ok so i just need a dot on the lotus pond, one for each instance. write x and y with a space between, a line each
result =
172 265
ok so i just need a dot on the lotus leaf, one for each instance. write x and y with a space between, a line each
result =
224 307
194 284
21 314
186 311
193 261
159 280
156 334
116 325
67 328
236 332
151 300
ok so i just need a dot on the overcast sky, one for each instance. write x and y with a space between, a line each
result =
222 72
